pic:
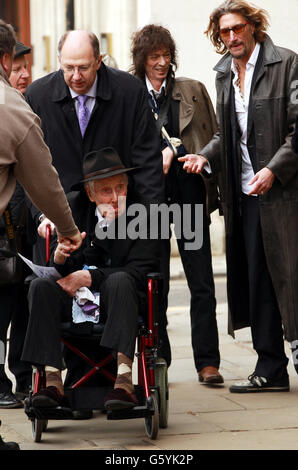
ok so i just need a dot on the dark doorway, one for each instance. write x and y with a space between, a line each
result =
70 15
17 13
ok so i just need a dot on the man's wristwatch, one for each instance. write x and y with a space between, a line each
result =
41 218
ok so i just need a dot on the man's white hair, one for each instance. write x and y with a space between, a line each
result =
90 184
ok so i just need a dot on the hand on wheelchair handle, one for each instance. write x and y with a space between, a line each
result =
42 228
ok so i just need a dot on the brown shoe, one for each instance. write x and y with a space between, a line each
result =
210 375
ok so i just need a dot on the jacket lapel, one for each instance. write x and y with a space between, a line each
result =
186 110
62 97
258 73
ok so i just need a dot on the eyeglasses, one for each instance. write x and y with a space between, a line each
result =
237 29
71 69
107 191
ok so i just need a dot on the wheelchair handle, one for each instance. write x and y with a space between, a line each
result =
48 237
155 276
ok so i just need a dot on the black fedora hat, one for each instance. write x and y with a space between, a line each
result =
21 49
100 164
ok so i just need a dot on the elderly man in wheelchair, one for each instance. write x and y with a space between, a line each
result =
108 263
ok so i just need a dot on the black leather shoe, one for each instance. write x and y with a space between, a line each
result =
82 414
48 397
8 445
8 400
120 399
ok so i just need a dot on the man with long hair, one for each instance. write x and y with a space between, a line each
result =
185 122
258 182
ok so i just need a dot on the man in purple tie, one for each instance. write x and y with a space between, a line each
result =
86 106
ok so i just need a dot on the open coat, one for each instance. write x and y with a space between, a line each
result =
121 118
272 112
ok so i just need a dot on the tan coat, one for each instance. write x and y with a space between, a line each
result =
197 125
25 157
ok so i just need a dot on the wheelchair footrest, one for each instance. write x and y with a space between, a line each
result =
130 413
58 412
87 398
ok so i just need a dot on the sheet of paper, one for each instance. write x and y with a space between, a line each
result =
45 272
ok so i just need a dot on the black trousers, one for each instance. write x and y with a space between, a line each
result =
14 312
197 264
265 318
49 305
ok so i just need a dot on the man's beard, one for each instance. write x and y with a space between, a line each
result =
246 52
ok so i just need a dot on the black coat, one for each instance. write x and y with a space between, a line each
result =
135 257
295 137
271 119
121 118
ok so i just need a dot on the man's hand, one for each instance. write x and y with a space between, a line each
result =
62 252
74 242
43 226
74 281
263 181
167 158
193 163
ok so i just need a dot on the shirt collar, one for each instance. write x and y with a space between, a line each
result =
102 221
91 93
151 89
251 61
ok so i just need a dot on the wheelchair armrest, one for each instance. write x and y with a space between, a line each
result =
155 276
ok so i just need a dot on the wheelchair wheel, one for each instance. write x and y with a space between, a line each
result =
38 426
161 381
152 421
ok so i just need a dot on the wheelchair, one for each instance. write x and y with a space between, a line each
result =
151 389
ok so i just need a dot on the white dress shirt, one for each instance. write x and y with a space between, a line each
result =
155 93
102 221
241 106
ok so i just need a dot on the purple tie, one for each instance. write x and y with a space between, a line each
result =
83 114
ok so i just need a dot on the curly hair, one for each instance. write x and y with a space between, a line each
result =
7 38
254 15
147 40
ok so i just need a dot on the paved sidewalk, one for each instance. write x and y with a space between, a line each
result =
201 417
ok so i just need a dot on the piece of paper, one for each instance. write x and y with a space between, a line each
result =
45 272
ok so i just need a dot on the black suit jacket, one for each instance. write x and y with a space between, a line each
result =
121 118
135 257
